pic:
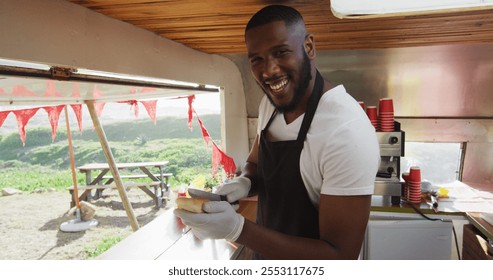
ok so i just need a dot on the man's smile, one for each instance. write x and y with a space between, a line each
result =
277 86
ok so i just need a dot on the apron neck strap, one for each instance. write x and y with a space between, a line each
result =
311 107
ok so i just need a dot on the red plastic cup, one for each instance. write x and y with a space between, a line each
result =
362 104
386 105
182 192
415 174
372 113
405 176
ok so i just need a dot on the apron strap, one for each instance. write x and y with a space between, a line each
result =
311 107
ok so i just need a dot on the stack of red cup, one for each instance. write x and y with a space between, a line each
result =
414 185
386 115
372 113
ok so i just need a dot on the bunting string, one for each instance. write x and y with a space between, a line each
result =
219 158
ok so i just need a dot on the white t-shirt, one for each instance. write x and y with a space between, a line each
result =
340 155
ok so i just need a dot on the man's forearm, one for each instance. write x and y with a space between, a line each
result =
250 171
276 245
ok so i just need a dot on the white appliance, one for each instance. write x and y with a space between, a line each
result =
408 240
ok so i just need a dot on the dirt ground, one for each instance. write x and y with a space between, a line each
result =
29 224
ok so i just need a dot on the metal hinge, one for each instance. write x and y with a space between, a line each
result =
61 73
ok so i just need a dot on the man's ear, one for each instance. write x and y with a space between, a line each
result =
310 46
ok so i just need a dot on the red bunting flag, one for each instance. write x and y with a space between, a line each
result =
190 110
133 104
23 116
150 108
98 106
78 114
22 91
76 91
219 157
51 89
147 89
3 116
54 116
205 133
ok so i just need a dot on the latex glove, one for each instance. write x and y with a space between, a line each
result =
219 222
235 189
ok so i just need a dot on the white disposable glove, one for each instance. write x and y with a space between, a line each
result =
219 222
235 189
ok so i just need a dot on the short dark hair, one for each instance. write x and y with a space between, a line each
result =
268 14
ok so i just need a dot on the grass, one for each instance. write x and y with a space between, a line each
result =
28 178
101 247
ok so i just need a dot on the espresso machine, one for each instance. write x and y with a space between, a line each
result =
387 181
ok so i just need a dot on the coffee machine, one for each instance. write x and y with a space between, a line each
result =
387 181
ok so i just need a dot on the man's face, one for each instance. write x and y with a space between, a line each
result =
279 63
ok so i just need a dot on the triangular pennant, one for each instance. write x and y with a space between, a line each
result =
78 114
190 110
51 89
98 106
54 116
150 108
133 104
148 89
3 116
22 91
23 116
205 133
219 157
76 91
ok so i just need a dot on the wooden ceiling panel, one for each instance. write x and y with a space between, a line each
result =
217 26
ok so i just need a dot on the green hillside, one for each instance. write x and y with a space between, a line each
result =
42 163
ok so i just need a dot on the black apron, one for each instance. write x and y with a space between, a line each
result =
283 202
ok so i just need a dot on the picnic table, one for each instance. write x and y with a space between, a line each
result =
98 179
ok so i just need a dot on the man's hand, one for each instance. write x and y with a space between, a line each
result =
219 222
236 189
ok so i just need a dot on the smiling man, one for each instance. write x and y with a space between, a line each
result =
313 162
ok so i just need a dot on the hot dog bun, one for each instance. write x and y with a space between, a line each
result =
191 204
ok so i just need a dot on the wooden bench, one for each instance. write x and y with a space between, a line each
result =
86 194
166 177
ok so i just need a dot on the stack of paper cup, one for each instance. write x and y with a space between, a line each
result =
372 113
414 185
386 115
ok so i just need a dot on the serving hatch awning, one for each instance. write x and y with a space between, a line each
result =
25 83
